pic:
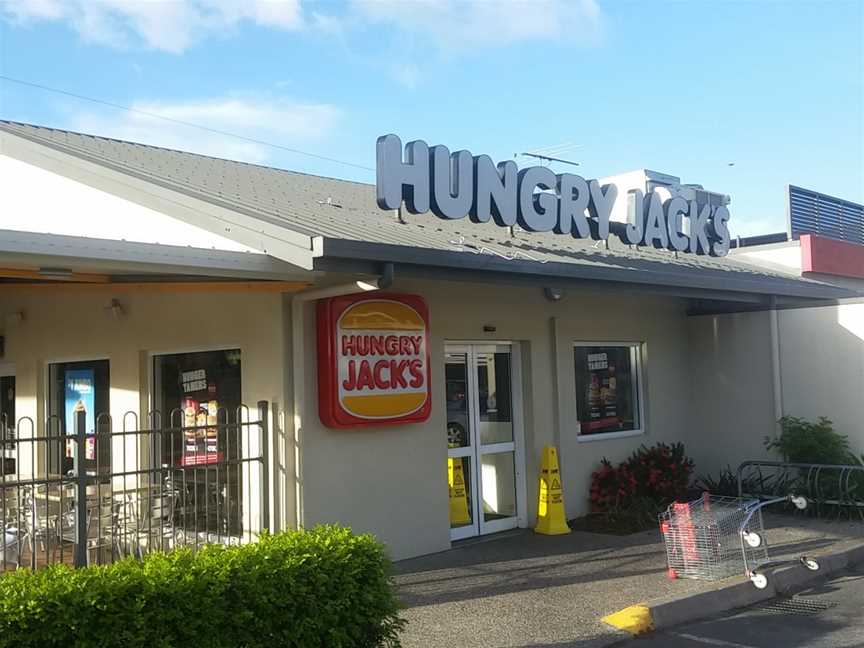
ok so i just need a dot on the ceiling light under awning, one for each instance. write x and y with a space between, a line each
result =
59 274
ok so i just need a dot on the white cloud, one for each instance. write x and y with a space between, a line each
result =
407 31
280 121
171 26
175 25
460 24
408 74
418 28
33 9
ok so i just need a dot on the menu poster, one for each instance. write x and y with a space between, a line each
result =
200 420
602 392
80 387
194 381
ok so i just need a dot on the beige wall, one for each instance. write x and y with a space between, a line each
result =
707 382
68 325
392 480
822 360
821 354
730 393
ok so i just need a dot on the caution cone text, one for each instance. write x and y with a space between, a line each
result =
458 499
551 519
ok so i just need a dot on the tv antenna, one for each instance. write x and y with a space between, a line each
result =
553 153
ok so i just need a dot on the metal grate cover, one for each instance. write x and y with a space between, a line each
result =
796 606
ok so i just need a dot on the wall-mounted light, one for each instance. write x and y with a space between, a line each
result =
60 274
115 309
553 294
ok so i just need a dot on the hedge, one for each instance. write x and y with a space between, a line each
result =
321 587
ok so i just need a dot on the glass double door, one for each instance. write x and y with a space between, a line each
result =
484 471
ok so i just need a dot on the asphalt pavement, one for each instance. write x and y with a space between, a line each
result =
521 590
828 615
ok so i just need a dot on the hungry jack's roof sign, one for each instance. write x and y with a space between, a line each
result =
453 186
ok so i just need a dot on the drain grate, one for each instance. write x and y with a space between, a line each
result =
797 606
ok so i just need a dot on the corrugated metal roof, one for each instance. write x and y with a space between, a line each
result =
346 211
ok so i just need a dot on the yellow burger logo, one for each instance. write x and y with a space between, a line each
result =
382 365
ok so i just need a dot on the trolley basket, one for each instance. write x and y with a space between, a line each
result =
717 537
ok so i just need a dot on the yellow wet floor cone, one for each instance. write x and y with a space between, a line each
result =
458 499
551 519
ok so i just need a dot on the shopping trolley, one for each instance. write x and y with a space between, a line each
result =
716 537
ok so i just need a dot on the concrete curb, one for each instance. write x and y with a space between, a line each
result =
730 594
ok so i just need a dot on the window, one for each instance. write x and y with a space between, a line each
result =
72 386
608 388
198 396
7 402
193 391
7 425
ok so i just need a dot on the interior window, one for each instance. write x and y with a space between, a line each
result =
607 388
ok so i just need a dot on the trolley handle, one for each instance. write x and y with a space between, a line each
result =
799 501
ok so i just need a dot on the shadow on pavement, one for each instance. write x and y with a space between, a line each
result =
525 562
523 545
578 643
759 630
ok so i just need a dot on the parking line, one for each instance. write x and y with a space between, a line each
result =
709 641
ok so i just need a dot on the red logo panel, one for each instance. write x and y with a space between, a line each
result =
373 360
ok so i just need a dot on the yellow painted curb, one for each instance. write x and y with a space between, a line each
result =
635 619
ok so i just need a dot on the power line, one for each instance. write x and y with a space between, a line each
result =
181 122
556 149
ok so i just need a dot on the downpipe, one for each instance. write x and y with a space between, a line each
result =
776 370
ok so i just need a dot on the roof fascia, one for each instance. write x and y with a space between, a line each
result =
765 246
437 273
683 279
109 255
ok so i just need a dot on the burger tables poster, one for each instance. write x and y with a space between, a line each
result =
373 360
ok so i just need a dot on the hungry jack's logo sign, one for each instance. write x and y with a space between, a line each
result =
373 360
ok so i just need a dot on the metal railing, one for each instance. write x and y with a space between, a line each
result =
824 485
97 495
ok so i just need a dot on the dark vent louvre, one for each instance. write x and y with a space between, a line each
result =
811 212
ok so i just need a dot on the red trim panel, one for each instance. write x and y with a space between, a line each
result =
832 257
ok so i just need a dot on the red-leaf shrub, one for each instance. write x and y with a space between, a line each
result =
661 473
611 487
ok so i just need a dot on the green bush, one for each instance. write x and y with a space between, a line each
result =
756 482
801 441
321 587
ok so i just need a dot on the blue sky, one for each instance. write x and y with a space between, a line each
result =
679 87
